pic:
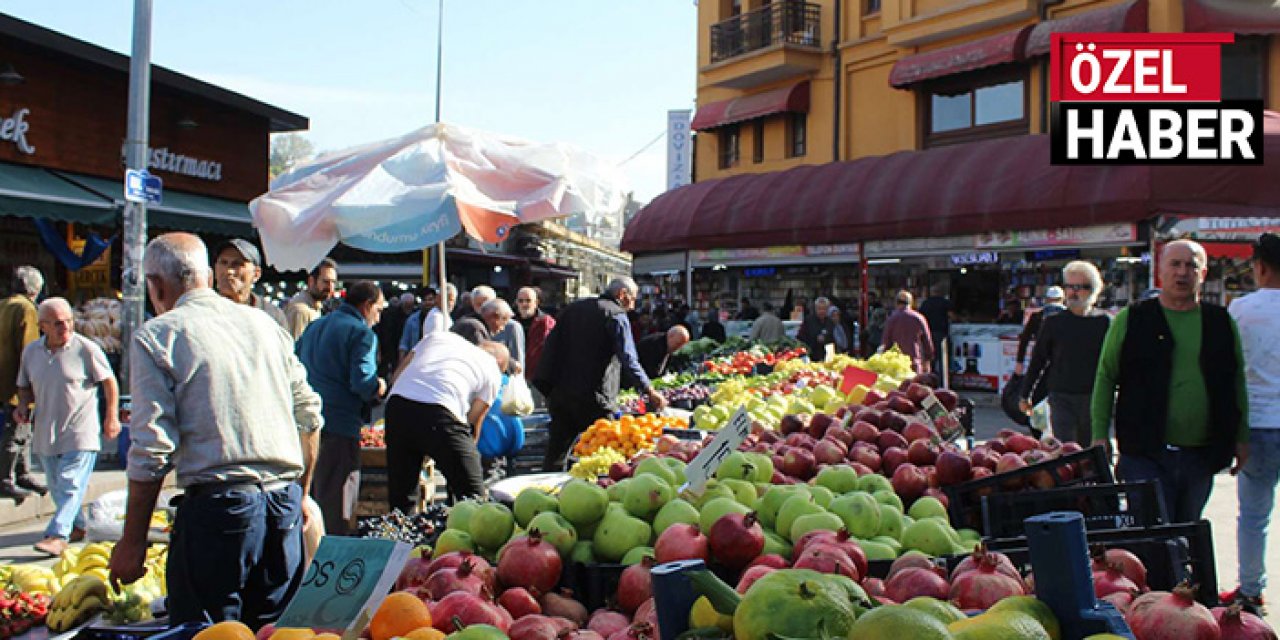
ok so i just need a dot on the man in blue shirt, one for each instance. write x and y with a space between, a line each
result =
340 353
581 365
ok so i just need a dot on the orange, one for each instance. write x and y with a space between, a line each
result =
327 636
287 633
399 614
425 633
226 630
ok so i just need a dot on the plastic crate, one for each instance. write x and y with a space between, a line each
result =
1172 553
964 500
1104 506
594 585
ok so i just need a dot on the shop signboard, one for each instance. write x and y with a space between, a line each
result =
983 355
785 254
679 148
14 129
974 258
1226 229
94 278
1103 234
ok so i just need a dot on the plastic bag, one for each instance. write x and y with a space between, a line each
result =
1042 418
104 517
516 398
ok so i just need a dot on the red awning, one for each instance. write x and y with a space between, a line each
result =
979 54
1126 17
792 99
1232 16
1003 184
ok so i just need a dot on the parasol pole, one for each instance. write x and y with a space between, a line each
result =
443 298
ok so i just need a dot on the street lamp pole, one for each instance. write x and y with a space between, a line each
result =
135 213
443 297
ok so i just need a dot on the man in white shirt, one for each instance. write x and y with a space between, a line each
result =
438 403
1258 317
415 327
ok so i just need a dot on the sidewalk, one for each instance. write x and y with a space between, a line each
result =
23 526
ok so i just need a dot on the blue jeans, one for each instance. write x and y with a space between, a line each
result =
235 554
68 476
1256 488
1185 475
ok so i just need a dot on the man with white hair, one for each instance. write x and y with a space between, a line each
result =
495 318
1066 354
479 297
18 328
1173 369
537 325
581 365
61 374
220 399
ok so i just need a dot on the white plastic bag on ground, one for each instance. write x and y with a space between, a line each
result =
104 517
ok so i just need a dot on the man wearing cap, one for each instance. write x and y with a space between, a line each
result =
909 331
237 266
1052 304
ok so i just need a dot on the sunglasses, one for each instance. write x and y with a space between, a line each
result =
1078 287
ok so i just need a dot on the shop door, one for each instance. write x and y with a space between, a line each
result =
975 294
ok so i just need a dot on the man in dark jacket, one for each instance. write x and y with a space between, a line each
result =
580 369
1181 408
656 348
818 330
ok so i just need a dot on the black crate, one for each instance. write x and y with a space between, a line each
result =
1104 506
964 500
1172 553
594 585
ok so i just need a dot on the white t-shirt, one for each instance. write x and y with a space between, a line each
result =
451 372
65 382
1258 316
435 322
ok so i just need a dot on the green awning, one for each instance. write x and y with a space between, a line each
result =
32 192
180 211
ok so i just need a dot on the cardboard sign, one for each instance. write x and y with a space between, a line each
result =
948 427
347 579
853 376
704 466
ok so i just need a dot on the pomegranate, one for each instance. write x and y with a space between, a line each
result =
1121 600
752 574
681 542
984 585
1129 564
460 578
467 609
562 606
840 540
1238 624
736 539
647 614
770 560
582 634
908 560
519 602
607 623
1163 615
637 631
1003 563
529 561
916 581
635 586
825 558
1110 579
539 627
873 586
417 570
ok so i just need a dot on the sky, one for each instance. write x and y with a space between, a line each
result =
598 74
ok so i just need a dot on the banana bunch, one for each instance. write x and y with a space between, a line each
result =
157 559
597 464
92 560
79 600
34 579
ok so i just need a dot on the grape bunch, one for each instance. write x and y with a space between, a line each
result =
419 529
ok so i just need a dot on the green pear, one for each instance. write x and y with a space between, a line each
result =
453 540
771 502
873 482
618 490
717 509
776 544
876 550
491 525
737 466
889 541
928 535
460 515
814 521
531 502
890 498
646 495
619 533
890 522
744 492
793 508
656 467
582 553
555 529
674 512
969 535
838 478
637 554
927 507
821 495
582 502
761 467
860 513
714 489
677 467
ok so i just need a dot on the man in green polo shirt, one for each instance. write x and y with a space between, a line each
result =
1173 370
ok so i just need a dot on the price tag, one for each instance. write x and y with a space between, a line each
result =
853 376
704 466
347 579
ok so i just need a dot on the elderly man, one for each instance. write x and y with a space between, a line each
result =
438 403
1068 346
237 266
305 306
494 316
580 368
1173 369
817 330
536 325
768 327
339 352
61 374
909 331
511 335
19 327
1053 297
219 397
479 296
416 327
656 348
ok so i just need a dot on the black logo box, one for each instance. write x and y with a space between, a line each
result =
1111 113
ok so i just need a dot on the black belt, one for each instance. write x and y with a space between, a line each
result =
214 487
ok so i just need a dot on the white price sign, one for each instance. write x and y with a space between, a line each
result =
704 466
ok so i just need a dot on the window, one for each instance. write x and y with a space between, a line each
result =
1244 69
797 135
872 6
974 107
729 140
757 141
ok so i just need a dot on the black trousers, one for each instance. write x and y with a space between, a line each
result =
415 431
336 484
568 419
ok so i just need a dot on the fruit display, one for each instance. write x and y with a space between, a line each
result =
597 463
21 610
415 530
373 437
79 600
628 435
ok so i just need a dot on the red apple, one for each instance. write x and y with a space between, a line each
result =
818 424
891 459
888 439
921 453
917 430
793 423
909 482
953 468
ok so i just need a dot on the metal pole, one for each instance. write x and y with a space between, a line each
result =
443 298
135 214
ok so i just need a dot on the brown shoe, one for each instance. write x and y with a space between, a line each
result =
77 535
52 546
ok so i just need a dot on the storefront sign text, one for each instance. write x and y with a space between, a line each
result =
164 160
14 129
975 257
1099 234
679 148
1241 229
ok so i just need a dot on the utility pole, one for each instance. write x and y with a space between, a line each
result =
135 213
443 297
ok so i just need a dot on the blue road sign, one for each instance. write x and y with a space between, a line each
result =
141 186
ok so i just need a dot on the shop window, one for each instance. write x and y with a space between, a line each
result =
757 141
979 106
1244 69
797 134
730 138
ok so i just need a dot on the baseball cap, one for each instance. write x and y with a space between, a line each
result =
1054 293
245 248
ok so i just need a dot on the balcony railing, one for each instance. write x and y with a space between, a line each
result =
782 21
